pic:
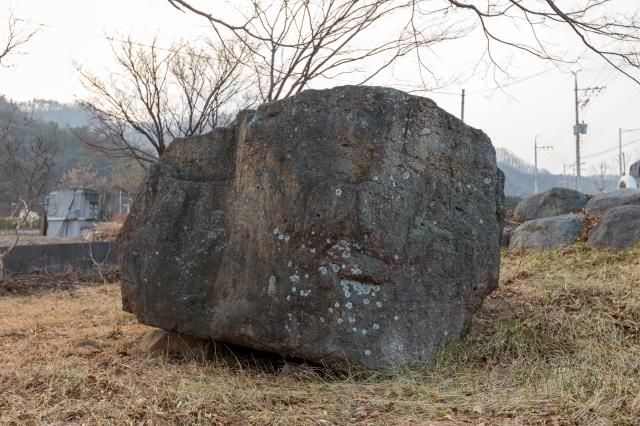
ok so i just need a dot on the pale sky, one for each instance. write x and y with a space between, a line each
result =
539 103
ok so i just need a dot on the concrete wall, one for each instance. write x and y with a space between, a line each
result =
58 257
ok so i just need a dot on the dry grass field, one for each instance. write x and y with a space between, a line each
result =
558 343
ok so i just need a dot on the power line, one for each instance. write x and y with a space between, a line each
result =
610 150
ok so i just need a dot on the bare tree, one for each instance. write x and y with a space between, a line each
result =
13 36
83 175
28 153
296 41
600 171
159 94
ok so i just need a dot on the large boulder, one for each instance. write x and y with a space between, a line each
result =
547 233
554 202
619 228
356 223
601 203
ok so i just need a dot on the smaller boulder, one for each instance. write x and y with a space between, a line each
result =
619 228
599 204
554 202
547 233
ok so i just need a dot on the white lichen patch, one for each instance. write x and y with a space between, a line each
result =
406 175
395 318
339 320
358 287
305 293
338 192
276 231
487 181
364 332
294 278
271 289
335 268
356 271
376 178
348 305
336 305
293 290
352 320
323 270
365 301
367 352
376 326
379 304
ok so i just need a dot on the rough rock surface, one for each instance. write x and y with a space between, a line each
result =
554 202
547 233
356 223
601 203
619 228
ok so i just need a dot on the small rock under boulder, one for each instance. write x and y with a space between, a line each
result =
599 204
547 233
356 223
174 344
554 202
618 229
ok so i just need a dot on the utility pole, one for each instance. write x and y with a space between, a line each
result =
623 169
576 130
462 107
580 128
535 162
620 151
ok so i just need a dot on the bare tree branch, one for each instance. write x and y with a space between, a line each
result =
13 36
159 94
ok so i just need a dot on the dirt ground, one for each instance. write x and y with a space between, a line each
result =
557 344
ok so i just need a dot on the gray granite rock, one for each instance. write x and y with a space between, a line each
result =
547 233
356 223
619 228
599 204
554 202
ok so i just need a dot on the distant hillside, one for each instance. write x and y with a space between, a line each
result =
64 115
519 177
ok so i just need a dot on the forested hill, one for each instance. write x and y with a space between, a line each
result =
70 117
65 115
519 177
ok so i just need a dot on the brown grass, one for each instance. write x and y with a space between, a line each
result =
558 343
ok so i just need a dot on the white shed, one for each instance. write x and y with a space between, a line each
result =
70 211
